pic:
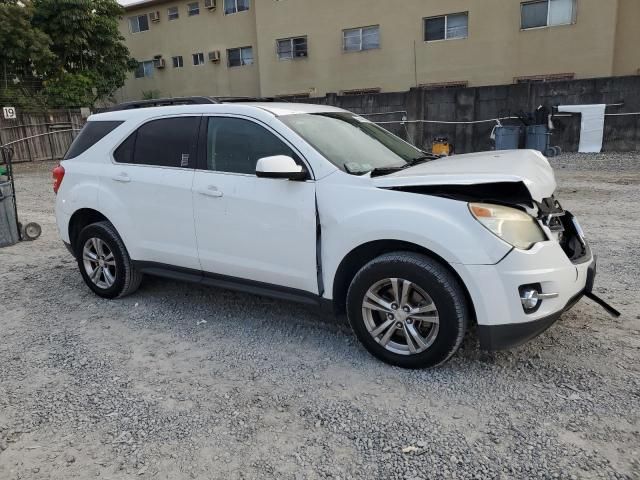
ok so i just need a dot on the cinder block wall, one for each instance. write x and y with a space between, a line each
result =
622 133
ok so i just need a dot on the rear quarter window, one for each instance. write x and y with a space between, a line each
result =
90 134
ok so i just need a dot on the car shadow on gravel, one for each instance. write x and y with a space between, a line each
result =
186 308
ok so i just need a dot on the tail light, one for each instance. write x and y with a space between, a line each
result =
58 175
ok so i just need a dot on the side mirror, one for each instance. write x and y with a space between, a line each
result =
280 166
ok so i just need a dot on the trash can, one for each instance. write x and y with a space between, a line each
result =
508 137
538 138
8 225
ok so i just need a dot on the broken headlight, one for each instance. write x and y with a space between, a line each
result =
510 224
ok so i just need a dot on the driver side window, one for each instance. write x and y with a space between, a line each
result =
235 145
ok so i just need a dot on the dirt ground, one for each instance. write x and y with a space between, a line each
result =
181 381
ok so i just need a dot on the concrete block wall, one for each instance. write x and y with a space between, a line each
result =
622 133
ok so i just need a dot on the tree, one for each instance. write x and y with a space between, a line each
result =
68 51
90 56
24 54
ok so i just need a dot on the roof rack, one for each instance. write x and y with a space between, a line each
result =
163 102
247 99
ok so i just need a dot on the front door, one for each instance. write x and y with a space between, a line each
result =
247 227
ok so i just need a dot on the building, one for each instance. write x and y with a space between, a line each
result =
312 47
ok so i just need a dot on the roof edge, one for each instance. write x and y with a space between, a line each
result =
144 4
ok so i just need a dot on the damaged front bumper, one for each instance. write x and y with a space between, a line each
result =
503 337
561 271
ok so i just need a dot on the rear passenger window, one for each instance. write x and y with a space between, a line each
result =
90 134
168 142
235 145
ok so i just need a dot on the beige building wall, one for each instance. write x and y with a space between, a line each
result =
495 52
603 41
627 51
209 31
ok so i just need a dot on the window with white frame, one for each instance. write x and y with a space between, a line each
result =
547 13
193 9
178 61
446 27
198 59
292 48
172 13
236 57
145 69
235 6
139 23
363 38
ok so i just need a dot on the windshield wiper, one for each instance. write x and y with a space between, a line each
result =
422 159
379 171
376 172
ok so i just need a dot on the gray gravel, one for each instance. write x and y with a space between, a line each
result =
179 381
608 162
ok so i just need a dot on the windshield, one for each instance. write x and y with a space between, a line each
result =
352 143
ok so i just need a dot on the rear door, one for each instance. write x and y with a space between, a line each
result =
258 229
149 190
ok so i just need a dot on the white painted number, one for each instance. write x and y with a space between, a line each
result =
9 113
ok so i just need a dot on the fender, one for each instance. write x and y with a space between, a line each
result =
441 225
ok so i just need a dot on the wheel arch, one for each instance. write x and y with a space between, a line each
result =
80 219
363 254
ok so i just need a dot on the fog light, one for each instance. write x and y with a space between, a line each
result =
531 297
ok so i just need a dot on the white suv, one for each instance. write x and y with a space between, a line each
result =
317 204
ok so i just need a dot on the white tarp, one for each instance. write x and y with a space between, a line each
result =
591 125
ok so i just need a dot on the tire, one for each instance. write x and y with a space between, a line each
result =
106 250
435 336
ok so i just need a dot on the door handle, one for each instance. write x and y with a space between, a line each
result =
211 191
121 177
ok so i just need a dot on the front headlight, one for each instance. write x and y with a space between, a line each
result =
510 224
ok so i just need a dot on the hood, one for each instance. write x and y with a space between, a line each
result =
528 167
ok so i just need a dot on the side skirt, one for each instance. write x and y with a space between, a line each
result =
233 283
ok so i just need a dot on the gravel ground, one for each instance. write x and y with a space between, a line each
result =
179 381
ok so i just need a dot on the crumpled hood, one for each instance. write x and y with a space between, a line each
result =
527 166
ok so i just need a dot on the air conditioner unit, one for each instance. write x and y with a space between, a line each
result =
210 4
155 16
159 63
214 56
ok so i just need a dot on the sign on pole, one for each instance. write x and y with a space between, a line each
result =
9 113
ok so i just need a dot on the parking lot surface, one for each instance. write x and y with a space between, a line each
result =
182 381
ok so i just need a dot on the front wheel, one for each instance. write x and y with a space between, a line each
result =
408 310
104 262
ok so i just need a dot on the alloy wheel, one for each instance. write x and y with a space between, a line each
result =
400 316
99 263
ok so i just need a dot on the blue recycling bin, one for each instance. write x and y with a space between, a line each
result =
538 138
508 137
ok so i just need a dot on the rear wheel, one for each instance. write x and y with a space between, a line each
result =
408 310
104 262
